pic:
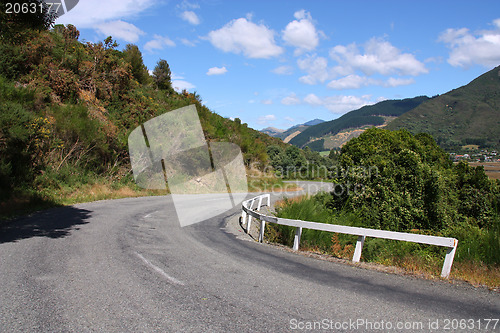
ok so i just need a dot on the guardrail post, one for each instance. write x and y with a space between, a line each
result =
268 200
260 203
448 261
243 217
262 228
296 239
359 247
249 221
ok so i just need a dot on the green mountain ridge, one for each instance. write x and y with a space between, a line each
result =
469 115
370 115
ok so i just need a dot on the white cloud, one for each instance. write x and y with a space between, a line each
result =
180 85
217 70
301 33
267 101
335 104
120 30
379 57
292 99
316 69
187 42
244 36
396 82
289 119
90 13
466 48
191 17
158 43
188 5
314 100
450 36
264 120
339 103
354 81
174 76
283 70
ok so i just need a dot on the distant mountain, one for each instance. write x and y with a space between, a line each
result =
288 134
469 115
272 131
314 122
335 133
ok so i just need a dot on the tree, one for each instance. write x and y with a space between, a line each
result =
276 156
162 75
397 181
393 180
134 57
14 26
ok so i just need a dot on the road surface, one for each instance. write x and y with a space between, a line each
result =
127 266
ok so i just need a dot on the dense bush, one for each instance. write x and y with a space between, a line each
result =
294 163
400 182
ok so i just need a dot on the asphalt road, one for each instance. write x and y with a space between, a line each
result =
127 266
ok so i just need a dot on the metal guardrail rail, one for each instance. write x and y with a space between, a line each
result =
248 211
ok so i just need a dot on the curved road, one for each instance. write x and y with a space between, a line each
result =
126 266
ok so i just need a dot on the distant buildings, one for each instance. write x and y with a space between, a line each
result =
483 156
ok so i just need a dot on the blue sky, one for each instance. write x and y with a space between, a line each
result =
283 62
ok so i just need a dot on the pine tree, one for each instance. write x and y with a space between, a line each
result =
162 75
134 57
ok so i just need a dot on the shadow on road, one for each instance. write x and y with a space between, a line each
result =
53 223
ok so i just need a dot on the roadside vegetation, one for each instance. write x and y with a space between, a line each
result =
67 108
291 163
400 182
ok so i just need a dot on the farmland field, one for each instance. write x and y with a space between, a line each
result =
492 169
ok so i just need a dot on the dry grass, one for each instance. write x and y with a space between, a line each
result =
477 274
287 201
96 192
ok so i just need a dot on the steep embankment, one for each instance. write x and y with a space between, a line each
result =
67 108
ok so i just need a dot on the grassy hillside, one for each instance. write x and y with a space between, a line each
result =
371 115
467 115
67 108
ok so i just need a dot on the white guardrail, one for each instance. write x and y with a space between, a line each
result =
248 212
